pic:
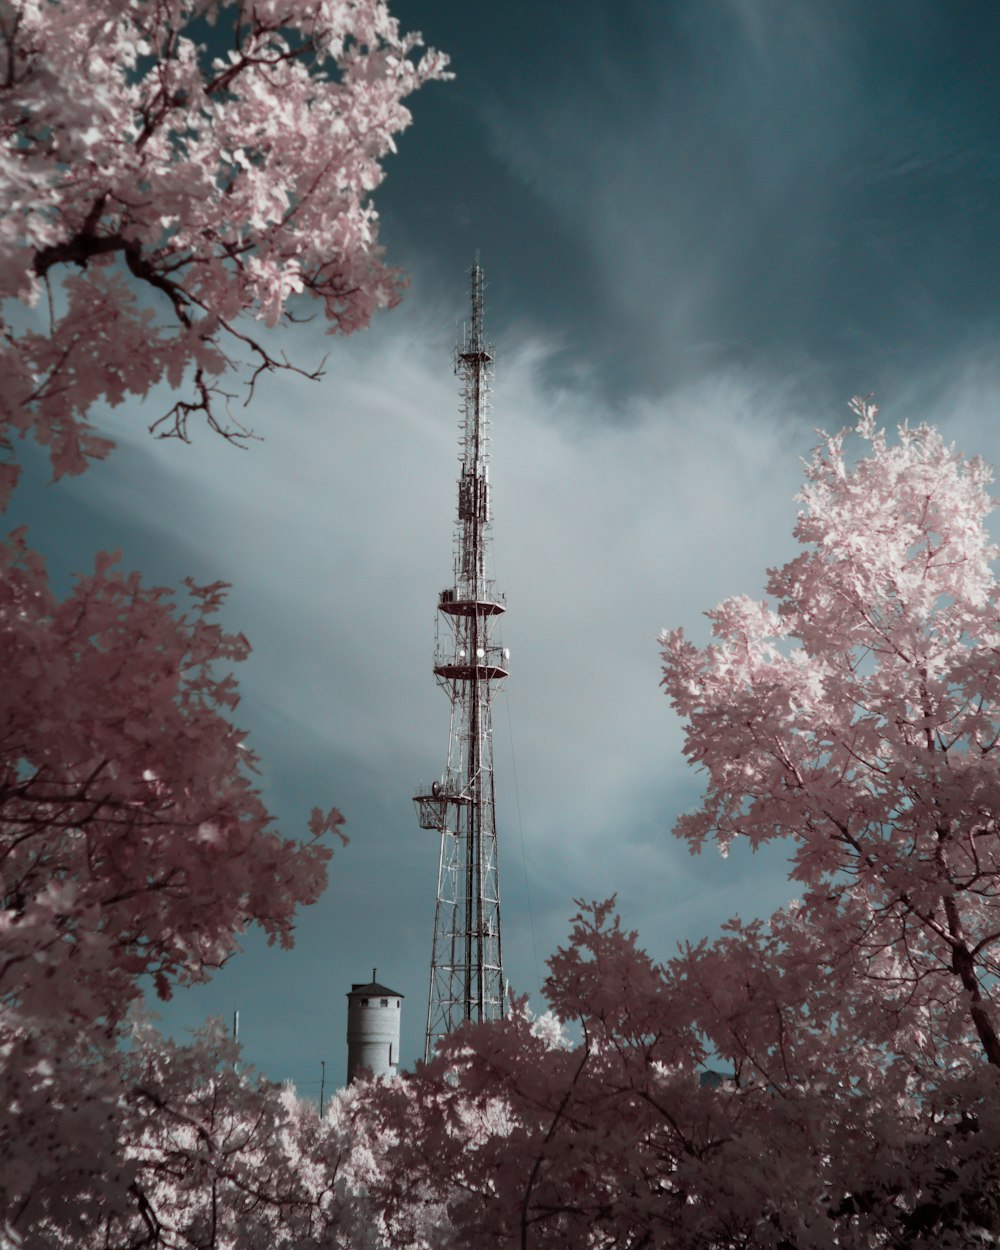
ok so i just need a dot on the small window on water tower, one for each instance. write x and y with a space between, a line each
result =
364 1002
383 1002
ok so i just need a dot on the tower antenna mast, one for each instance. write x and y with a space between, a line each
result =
466 980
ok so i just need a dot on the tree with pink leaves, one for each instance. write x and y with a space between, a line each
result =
133 846
860 718
830 1077
172 170
168 166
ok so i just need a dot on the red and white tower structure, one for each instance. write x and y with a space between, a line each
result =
466 980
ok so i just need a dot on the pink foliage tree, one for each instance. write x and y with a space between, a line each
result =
169 165
218 1157
830 1077
860 719
171 170
132 846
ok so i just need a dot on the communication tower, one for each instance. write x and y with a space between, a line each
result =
466 981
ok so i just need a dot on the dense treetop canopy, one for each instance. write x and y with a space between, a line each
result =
168 165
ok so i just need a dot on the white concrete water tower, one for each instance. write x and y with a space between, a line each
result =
373 1013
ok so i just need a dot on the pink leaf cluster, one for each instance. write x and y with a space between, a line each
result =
216 1156
859 717
133 847
167 166
732 1097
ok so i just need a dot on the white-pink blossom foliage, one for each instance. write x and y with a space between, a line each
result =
169 165
133 848
859 717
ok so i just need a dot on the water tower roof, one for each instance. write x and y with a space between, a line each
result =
374 989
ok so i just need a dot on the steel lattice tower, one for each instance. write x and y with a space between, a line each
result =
466 981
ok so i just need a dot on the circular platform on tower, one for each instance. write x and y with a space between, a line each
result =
470 607
470 672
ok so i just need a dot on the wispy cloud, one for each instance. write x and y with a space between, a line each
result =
798 190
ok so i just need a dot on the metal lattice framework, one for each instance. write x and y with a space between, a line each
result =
466 981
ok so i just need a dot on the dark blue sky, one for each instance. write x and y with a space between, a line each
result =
665 186
705 226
